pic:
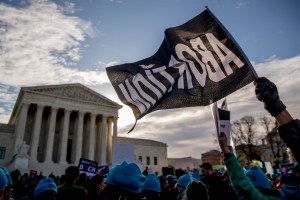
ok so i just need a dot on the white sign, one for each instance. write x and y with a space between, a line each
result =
121 152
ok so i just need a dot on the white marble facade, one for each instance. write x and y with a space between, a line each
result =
61 124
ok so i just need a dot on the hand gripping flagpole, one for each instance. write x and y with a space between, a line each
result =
232 38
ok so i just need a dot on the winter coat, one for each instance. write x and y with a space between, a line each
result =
242 185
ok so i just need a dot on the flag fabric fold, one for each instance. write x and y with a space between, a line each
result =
197 64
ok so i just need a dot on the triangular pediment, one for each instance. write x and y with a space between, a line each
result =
72 91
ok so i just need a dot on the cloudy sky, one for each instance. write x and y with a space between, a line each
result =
46 42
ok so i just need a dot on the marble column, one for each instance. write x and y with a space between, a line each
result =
91 146
98 143
115 129
109 141
36 133
103 140
63 143
115 133
21 126
79 134
51 133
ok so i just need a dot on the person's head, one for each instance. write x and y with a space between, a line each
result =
206 169
152 183
8 177
183 182
171 180
45 189
128 178
16 176
71 174
3 180
96 183
196 190
258 178
8 189
163 182
151 187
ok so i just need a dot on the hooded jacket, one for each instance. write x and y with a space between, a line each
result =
242 185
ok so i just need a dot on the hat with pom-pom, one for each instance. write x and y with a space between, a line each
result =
127 176
152 183
184 180
3 180
8 177
258 178
45 184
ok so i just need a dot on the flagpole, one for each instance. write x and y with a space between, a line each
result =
232 38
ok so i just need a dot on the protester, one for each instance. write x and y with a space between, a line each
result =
69 190
82 180
290 188
3 182
252 187
164 188
182 184
20 191
197 190
216 187
173 191
46 189
289 129
7 191
124 181
95 188
145 172
151 188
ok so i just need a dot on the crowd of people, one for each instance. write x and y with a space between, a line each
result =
125 181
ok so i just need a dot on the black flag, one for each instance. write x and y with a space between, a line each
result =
197 64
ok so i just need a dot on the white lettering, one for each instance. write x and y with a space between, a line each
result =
200 77
91 169
133 98
228 57
208 59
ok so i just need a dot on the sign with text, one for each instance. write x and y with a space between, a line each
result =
89 167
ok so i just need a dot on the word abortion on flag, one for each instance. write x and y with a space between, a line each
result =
197 64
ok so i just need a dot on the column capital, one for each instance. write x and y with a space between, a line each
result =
81 112
104 116
67 110
25 104
54 108
94 114
40 106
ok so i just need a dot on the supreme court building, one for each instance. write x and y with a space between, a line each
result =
52 127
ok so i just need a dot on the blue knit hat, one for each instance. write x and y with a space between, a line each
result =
8 177
44 185
258 178
127 176
3 180
184 180
152 183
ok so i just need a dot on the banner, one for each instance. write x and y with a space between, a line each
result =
197 64
88 166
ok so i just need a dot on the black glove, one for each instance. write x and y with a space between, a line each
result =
267 92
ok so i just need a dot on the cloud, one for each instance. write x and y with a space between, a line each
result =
242 4
39 41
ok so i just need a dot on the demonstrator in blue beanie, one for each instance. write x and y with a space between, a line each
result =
124 181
